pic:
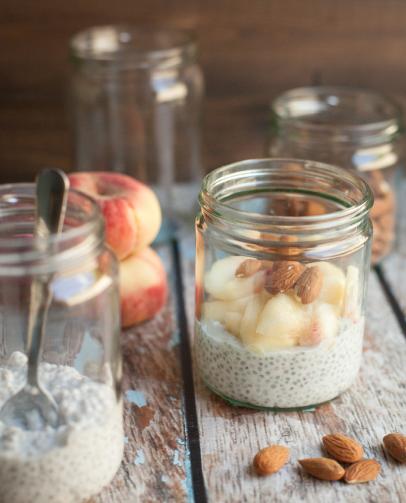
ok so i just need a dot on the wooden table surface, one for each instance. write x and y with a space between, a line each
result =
185 444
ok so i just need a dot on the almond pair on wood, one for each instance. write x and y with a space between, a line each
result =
329 469
345 450
340 447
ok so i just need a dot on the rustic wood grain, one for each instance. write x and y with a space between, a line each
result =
375 405
156 458
249 53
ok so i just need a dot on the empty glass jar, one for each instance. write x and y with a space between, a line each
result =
136 101
81 360
351 128
280 294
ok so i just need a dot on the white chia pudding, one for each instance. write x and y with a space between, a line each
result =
296 377
72 462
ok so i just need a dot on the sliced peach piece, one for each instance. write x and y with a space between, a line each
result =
232 323
325 321
332 290
282 322
249 321
220 281
217 310
324 325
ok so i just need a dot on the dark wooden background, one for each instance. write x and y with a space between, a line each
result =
250 51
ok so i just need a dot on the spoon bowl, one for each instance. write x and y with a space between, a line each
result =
31 409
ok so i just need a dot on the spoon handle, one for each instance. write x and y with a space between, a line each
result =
52 190
52 193
40 300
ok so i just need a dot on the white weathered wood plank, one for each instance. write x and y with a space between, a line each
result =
156 460
374 406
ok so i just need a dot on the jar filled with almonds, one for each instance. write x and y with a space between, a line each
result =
350 128
280 294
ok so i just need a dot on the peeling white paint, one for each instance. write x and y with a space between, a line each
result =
136 397
139 458
175 459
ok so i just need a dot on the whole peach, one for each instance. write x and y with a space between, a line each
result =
143 287
131 209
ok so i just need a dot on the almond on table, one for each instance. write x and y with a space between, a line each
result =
271 459
343 448
323 468
362 471
395 445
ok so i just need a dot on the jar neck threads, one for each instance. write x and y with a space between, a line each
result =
336 115
80 240
126 47
252 201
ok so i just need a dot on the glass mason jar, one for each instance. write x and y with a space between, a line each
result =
281 297
350 128
80 360
136 101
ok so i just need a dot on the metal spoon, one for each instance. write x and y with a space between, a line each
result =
33 407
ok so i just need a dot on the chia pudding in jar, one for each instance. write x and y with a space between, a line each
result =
280 322
68 463
79 358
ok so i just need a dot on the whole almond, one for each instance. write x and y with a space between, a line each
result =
283 276
309 284
343 448
248 268
362 471
395 444
271 459
323 468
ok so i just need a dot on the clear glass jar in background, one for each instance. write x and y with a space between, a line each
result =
351 128
81 358
136 103
280 298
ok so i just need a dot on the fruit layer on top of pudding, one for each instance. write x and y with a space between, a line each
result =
284 304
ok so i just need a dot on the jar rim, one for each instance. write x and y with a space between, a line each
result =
337 111
133 45
74 242
218 208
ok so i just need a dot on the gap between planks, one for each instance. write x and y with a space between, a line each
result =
192 429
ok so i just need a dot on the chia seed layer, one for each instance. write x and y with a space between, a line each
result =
290 378
72 462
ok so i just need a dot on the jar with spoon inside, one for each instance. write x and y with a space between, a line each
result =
80 362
